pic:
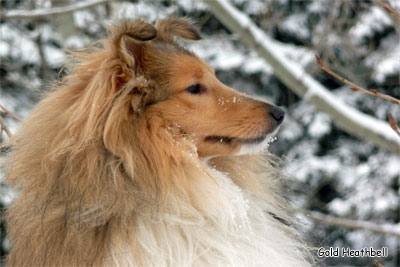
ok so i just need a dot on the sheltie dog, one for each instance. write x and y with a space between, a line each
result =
141 157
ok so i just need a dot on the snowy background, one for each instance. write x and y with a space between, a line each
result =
330 171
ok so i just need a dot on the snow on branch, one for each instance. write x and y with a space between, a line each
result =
387 229
44 12
295 78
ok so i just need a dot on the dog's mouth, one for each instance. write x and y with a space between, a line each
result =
229 140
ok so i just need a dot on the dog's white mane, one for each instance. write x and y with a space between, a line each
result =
221 226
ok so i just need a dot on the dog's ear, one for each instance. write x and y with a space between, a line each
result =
176 27
131 39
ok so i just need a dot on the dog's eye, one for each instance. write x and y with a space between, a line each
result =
195 89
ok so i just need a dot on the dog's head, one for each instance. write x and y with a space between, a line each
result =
183 90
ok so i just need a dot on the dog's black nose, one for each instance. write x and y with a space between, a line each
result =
277 113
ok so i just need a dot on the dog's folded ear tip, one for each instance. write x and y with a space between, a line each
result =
136 30
150 36
184 28
144 36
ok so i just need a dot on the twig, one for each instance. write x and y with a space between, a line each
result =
6 111
387 229
44 12
3 127
377 263
44 66
388 8
393 124
354 87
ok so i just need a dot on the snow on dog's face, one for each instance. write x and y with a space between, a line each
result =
188 96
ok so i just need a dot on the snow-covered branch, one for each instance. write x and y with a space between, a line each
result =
387 229
44 12
293 75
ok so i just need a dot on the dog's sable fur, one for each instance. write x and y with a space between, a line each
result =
120 164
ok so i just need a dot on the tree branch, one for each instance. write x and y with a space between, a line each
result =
393 124
296 79
6 111
355 87
389 9
44 66
387 229
44 12
377 263
3 127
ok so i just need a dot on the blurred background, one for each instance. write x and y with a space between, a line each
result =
330 172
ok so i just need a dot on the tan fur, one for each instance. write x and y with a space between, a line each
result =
171 27
121 138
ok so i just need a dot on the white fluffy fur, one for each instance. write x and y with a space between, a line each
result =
221 226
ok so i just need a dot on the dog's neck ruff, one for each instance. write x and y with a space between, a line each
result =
221 225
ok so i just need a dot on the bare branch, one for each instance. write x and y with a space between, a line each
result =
386 229
296 79
44 66
3 127
44 12
377 263
389 9
6 111
393 124
355 87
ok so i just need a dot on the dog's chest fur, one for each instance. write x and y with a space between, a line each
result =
221 226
